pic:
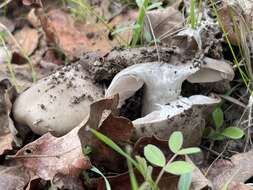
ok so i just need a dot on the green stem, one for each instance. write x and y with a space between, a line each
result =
192 14
140 22
163 169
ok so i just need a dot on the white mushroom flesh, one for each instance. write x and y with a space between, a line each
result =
163 108
157 122
162 83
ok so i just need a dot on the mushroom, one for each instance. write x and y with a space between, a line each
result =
164 110
58 102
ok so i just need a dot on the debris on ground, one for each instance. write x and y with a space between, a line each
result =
149 95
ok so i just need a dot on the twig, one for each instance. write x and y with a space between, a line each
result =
152 32
5 3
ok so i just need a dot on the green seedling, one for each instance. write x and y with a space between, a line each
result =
156 157
219 133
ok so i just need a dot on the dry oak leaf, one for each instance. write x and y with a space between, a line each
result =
33 3
61 30
238 169
7 130
28 39
33 19
13 178
163 22
239 186
118 129
49 155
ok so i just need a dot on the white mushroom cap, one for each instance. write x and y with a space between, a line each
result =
212 71
162 83
163 109
57 103
158 122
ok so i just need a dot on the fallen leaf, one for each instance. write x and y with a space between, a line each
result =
7 23
8 131
118 129
60 29
238 169
15 177
225 13
163 23
100 37
199 181
33 183
5 143
28 39
33 19
67 182
239 186
33 3
49 155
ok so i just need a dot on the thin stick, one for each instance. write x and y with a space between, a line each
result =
152 32
5 3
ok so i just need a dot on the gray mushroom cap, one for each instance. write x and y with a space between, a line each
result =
163 108
58 102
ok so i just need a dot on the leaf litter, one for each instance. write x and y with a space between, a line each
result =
135 96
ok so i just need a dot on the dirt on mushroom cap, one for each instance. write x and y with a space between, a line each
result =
57 103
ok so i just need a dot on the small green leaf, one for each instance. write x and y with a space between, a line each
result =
176 141
154 155
179 168
233 133
218 117
185 181
192 150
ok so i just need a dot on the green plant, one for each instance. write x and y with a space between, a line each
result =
220 133
156 157
143 5
192 18
97 171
